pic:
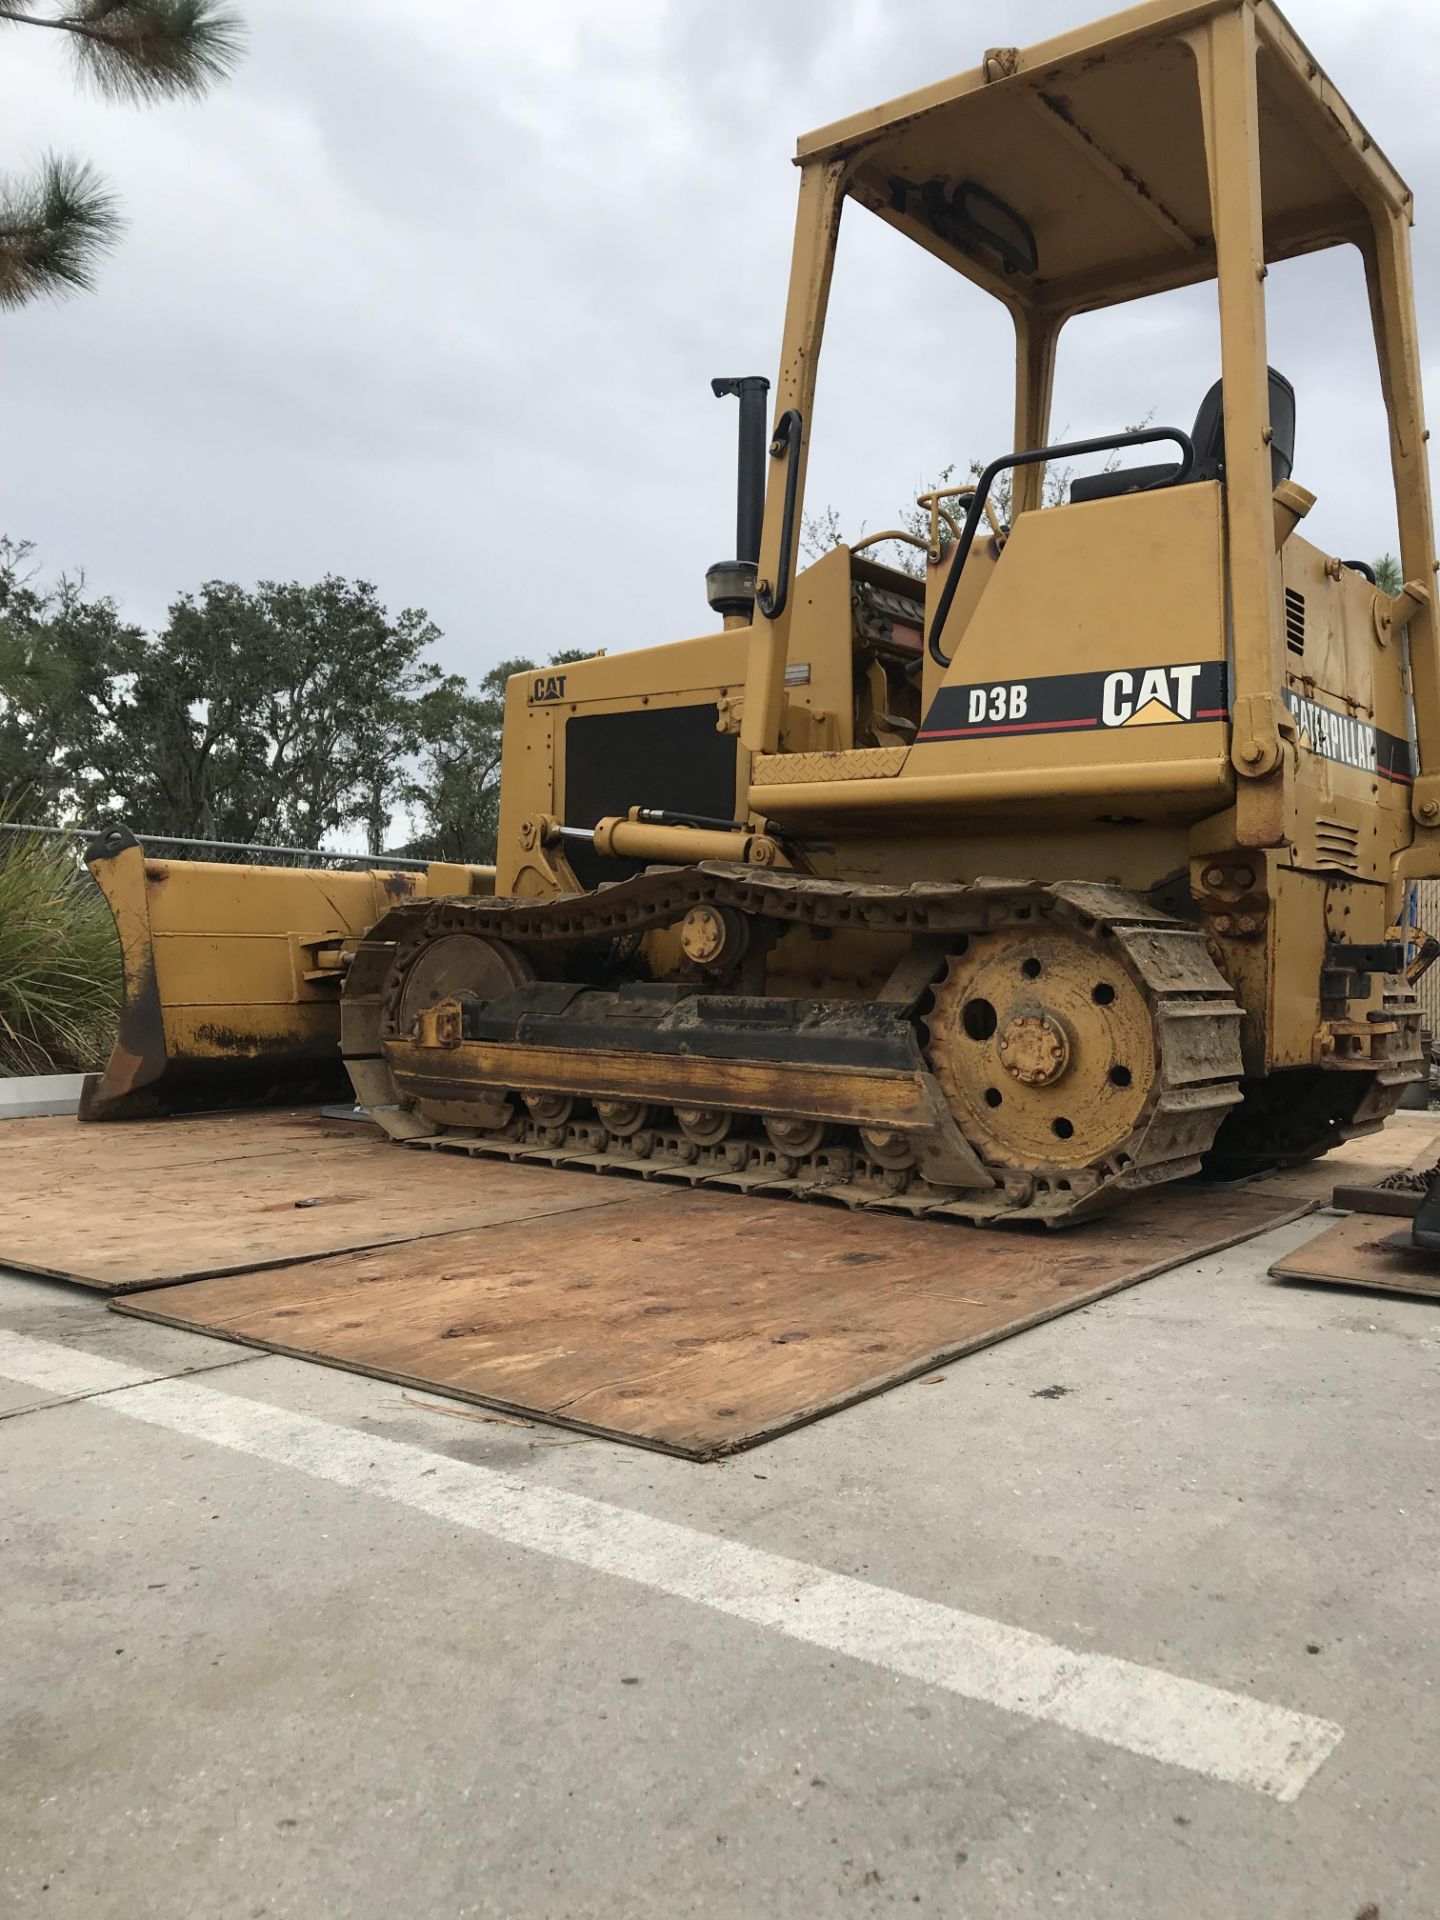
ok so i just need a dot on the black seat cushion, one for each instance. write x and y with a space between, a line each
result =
1104 486
1209 432
1208 439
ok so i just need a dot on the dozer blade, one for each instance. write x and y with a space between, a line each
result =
231 977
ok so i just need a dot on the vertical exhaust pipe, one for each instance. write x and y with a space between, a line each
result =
730 584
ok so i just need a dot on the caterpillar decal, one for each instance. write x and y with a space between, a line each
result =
1350 741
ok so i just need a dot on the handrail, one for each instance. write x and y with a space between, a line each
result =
932 501
1135 437
771 599
894 533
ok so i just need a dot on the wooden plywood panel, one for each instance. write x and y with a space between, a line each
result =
66 1148
1356 1252
697 1322
145 1224
1398 1202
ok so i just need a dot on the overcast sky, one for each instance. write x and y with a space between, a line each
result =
432 295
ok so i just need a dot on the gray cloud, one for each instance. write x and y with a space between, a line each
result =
434 297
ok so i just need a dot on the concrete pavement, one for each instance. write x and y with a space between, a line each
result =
278 1642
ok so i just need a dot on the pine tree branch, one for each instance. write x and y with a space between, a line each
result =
61 25
146 49
54 227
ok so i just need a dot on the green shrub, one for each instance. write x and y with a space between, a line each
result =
59 959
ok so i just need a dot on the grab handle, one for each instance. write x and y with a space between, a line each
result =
1135 437
771 599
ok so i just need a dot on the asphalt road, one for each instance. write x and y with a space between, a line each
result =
1133 1615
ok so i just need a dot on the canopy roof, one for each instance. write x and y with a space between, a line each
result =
1095 139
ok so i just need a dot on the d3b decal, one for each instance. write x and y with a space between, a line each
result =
1168 696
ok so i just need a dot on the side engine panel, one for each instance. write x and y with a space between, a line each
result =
657 727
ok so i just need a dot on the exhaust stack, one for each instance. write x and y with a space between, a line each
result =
730 584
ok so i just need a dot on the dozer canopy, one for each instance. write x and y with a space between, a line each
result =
1085 181
1170 144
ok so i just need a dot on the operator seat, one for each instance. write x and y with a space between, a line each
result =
1208 439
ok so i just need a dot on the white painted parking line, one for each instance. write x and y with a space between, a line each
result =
1145 1710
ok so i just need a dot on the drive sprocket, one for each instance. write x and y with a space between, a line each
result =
1043 1041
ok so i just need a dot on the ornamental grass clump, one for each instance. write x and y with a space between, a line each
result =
59 959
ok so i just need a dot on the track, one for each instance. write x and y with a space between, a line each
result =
553 1063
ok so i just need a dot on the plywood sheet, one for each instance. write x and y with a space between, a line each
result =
1355 1253
66 1148
142 1224
696 1322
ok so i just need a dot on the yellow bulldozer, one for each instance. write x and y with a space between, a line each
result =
1066 870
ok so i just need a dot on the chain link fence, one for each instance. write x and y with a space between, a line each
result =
242 853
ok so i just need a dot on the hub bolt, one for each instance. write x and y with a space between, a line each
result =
1034 1049
706 936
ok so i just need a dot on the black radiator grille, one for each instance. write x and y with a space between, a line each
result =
672 758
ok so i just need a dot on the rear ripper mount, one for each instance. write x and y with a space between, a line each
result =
1037 1052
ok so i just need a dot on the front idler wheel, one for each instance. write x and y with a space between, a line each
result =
454 968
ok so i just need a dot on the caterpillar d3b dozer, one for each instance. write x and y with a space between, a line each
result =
999 894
